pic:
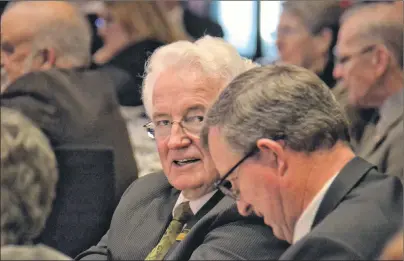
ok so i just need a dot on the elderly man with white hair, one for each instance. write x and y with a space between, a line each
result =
177 215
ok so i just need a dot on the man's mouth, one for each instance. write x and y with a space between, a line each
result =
184 162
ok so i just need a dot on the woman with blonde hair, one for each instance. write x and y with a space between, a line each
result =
131 31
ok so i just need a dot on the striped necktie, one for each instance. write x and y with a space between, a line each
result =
182 214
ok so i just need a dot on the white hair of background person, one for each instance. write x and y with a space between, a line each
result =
214 56
70 39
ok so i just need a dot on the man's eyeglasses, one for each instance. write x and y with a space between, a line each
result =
344 59
162 128
225 185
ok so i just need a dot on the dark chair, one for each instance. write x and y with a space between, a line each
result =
84 202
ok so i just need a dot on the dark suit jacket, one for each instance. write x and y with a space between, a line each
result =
198 26
385 148
358 215
145 211
76 107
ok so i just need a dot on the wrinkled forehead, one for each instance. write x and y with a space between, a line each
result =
17 25
187 80
290 17
348 37
182 89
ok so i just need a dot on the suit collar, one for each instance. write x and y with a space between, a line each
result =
390 113
347 179
166 212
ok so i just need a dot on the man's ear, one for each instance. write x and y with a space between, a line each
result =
380 60
49 58
273 154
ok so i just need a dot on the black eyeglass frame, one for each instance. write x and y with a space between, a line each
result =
221 183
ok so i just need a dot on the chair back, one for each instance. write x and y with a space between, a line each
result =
84 202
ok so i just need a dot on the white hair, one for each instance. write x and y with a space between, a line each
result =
212 56
70 37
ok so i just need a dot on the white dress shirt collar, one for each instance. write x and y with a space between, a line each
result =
195 204
305 221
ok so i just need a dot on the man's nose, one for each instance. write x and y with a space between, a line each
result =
244 209
178 138
279 42
337 72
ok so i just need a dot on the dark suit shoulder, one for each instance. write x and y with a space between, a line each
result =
33 82
362 222
147 188
384 190
321 248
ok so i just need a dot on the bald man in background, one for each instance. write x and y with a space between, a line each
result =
45 53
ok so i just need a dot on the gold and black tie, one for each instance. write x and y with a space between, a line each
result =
182 214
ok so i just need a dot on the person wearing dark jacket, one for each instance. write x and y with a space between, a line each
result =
45 52
130 32
308 42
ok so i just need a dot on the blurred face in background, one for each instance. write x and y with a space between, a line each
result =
16 47
294 41
19 54
355 68
297 45
109 29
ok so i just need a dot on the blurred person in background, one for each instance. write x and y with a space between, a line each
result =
91 8
307 33
28 187
131 31
131 24
196 25
369 64
45 52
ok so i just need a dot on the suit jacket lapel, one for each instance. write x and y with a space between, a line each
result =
375 135
167 209
208 206
346 180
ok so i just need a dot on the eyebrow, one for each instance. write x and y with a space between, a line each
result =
194 108
159 115
198 107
